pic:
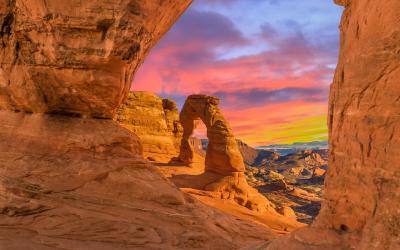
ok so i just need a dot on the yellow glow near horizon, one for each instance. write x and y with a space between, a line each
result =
309 129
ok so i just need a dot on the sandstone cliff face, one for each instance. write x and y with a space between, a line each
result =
363 182
155 121
76 56
363 185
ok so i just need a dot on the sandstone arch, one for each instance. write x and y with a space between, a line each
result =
223 156
224 167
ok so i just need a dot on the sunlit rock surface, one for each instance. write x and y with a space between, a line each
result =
155 121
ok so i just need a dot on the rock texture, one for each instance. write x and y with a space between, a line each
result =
70 183
76 56
155 121
222 156
363 182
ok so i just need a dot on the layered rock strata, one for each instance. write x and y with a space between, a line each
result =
76 57
155 121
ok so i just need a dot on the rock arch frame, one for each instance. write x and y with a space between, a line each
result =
362 187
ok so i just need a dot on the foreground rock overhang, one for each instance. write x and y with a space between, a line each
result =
76 57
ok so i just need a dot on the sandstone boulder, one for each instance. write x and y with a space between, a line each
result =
76 56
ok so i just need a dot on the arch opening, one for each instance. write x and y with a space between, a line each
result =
272 79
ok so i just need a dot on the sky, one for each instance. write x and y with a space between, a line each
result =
270 61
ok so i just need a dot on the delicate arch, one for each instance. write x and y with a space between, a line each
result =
223 155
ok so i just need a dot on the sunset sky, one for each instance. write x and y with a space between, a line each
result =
270 61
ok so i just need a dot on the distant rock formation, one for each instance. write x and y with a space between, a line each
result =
155 121
248 153
255 157
222 156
